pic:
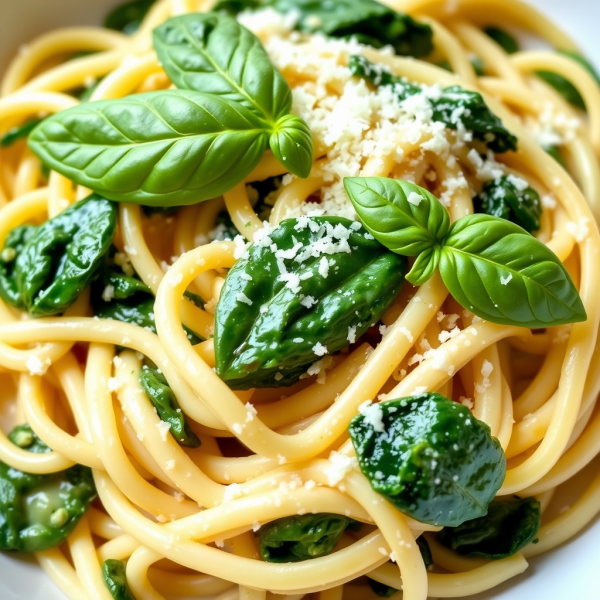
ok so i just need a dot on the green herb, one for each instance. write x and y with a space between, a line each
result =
120 296
429 457
563 86
44 269
455 105
556 154
504 39
478 66
491 266
386 591
214 54
18 133
38 512
301 537
161 395
367 21
502 198
325 284
129 16
507 528
115 579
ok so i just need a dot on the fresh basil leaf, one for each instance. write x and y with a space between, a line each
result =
115 579
507 528
164 148
430 457
424 267
454 105
502 198
157 388
214 54
38 512
404 217
504 39
16 240
129 16
563 86
18 133
292 145
367 21
62 256
301 537
504 275
307 288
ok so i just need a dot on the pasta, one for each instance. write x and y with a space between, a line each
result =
131 395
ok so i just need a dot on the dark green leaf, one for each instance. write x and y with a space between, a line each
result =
18 133
382 590
504 39
162 397
62 256
301 537
307 288
556 154
478 66
164 148
115 579
38 512
454 105
425 552
502 198
507 528
16 240
563 86
429 457
504 275
129 16
404 217
367 21
214 54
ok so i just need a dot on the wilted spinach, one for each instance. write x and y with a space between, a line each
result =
38 512
430 457
367 21
454 105
306 289
301 537
115 579
507 198
507 528
157 388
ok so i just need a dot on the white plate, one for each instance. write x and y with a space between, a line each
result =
572 572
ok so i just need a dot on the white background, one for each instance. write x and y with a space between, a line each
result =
570 573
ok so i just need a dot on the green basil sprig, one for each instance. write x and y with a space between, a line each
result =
563 86
454 105
44 269
115 579
214 54
502 198
309 288
157 388
18 133
507 528
301 537
491 266
367 21
129 16
429 457
38 512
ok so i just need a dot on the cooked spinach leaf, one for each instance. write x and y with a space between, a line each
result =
367 21
38 512
307 288
430 457
512 199
453 106
507 528
16 240
301 537
115 579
